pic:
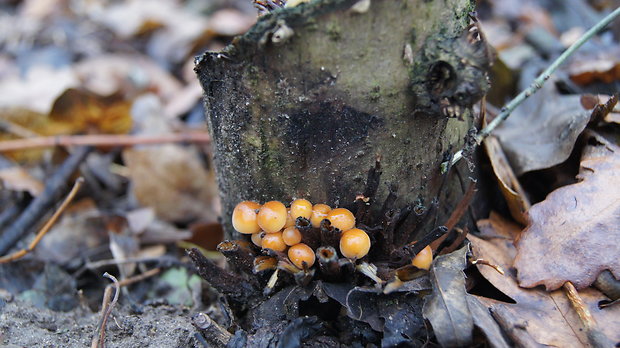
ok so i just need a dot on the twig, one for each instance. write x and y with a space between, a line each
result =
456 215
106 308
16 129
39 206
595 336
536 85
487 263
161 260
103 140
139 277
215 335
21 253
462 234
98 340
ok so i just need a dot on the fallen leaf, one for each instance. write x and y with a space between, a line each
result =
542 131
81 228
298 331
398 315
598 64
545 316
498 227
575 222
172 179
485 322
446 308
509 185
128 74
177 287
81 111
18 179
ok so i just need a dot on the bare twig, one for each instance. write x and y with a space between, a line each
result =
462 234
103 140
21 253
215 335
109 302
106 309
595 336
16 129
456 215
139 277
487 263
535 86
54 187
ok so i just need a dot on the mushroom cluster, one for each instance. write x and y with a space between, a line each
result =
273 226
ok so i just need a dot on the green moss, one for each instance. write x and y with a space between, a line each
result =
375 93
334 31
253 139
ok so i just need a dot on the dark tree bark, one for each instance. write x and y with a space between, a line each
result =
305 102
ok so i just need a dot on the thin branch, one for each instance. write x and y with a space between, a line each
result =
538 83
99 340
103 140
139 277
595 336
48 225
54 187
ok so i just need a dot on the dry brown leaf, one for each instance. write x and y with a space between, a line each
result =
542 131
18 179
20 122
573 233
591 66
547 317
172 180
509 185
498 227
80 111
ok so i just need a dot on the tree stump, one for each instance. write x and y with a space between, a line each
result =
304 103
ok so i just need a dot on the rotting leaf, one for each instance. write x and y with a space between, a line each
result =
446 308
547 318
397 315
542 131
575 222
299 330
284 305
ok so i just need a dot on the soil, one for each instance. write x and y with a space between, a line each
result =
23 325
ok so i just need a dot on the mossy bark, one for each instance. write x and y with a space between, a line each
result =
305 102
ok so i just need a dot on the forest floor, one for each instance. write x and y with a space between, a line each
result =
107 90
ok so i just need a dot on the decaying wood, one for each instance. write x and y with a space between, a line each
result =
306 101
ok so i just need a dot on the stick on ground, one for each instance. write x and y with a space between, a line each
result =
48 225
54 187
